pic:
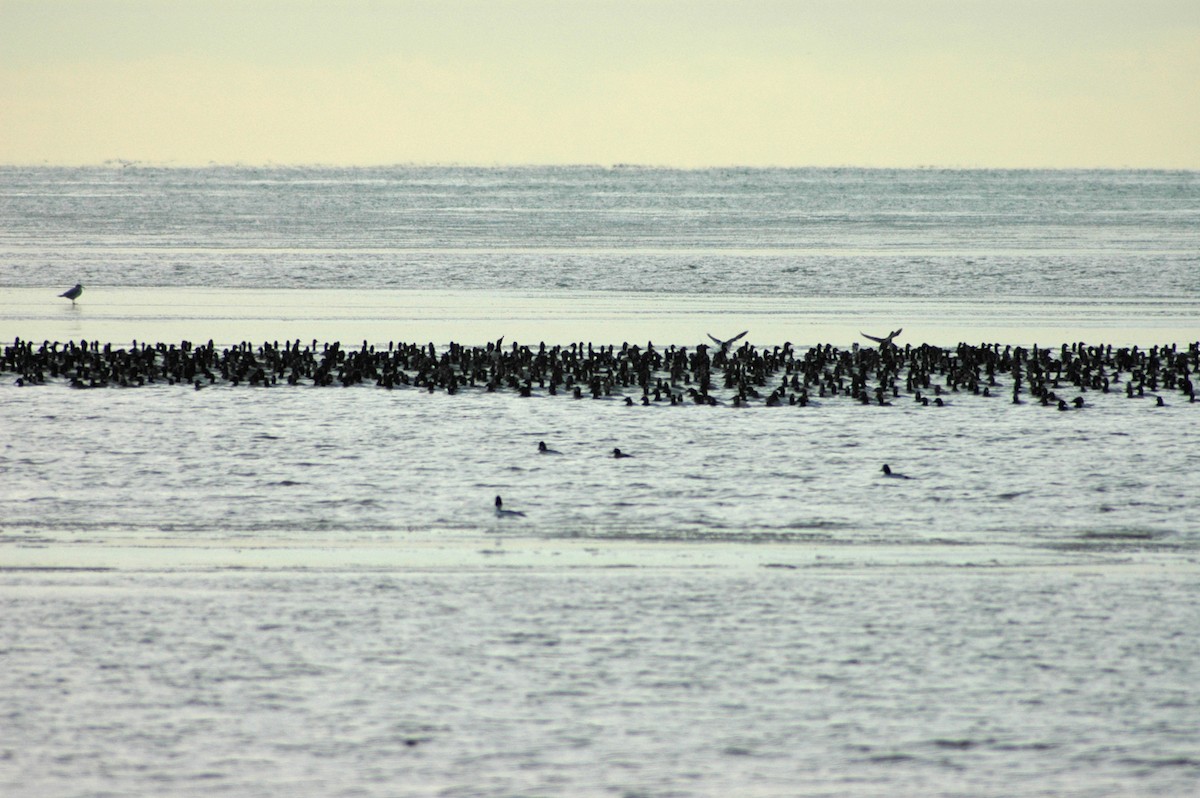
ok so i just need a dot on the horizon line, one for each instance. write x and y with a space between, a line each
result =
133 163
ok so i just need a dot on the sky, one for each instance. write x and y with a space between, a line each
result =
887 83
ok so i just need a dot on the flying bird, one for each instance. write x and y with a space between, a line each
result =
725 344
886 340
72 293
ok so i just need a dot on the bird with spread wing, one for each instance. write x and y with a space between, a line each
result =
724 345
886 340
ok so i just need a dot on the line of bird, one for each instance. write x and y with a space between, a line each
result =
501 512
703 374
617 454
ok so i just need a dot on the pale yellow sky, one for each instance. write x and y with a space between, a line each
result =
1009 83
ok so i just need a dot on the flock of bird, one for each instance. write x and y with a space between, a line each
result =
745 376
673 375
709 375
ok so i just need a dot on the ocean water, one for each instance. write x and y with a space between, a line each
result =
305 591
762 232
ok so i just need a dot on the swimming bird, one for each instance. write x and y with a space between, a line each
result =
888 472
72 293
618 454
544 449
725 344
502 513
884 341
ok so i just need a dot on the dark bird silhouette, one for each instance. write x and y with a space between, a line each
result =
502 513
884 341
544 449
618 454
72 293
888 472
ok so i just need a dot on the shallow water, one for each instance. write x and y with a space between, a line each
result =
305 591
601 682
364 462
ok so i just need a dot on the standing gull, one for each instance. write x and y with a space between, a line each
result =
72 293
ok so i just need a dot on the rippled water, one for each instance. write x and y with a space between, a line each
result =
1119 476
629 681
303 591
797 232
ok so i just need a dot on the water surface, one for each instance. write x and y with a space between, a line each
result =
305 591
